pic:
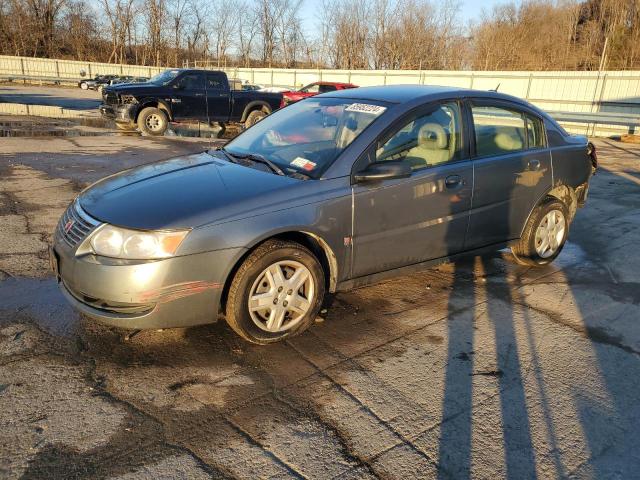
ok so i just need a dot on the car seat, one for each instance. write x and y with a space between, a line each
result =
432 148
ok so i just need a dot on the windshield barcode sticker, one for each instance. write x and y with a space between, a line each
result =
365 108
303 163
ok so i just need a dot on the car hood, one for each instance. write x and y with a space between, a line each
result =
184 192
135 88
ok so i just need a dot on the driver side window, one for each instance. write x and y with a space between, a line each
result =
427 140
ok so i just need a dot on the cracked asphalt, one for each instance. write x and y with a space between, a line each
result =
480 369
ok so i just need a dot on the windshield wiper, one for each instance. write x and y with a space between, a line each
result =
254 157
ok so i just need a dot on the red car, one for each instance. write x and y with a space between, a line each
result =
314 89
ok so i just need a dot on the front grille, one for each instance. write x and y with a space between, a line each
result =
75 225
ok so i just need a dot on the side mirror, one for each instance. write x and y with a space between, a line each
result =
383 171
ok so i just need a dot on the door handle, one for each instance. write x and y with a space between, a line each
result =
452 181
534 164
198 94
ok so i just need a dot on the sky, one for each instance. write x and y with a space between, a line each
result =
469 10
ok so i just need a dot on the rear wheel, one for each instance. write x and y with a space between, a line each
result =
153 121
544 235
254 117
276 293
84 86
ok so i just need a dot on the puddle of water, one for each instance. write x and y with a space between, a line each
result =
26 128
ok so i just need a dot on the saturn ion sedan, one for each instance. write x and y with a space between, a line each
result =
337 191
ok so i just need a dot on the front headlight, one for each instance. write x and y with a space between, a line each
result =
110 241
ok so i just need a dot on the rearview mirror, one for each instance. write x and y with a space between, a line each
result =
383 171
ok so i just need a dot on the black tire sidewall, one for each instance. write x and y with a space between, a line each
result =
538 215
243 319
142 124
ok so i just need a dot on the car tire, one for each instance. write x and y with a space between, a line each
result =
84 86
544 234
100 89
254 117
262 306
153 121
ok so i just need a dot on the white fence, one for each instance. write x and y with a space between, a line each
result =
611 92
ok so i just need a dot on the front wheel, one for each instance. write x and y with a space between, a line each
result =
276 293
544 234
153 121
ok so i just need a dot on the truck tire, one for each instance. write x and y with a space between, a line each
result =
153 121
253 118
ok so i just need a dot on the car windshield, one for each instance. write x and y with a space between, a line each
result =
308 136
165 77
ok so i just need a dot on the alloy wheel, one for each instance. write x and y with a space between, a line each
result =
153 122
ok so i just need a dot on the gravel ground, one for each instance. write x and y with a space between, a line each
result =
480 369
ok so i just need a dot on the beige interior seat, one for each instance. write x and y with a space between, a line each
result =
432 148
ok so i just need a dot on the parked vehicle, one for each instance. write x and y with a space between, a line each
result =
184 95
331 193
92 84
314 89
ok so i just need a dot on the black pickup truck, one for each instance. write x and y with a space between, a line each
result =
183 95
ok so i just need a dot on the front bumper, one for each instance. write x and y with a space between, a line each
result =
118 113
174 292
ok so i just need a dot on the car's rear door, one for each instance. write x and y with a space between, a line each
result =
405 221
512 170
218 97
190 102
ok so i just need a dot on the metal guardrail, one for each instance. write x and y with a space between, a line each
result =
39 78
601 118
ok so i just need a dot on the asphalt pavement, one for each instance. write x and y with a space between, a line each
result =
69 98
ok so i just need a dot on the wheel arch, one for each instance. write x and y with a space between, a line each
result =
563 192
153 102
315 243
255 105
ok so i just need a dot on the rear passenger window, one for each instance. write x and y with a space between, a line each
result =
535 132
498 130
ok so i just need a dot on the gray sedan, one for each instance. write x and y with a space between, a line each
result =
336 191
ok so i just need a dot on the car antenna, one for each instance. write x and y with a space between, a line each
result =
495 89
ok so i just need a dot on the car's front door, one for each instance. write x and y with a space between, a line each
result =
512 171
190 102
218 97
405 221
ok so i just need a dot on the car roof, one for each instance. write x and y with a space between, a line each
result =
410 93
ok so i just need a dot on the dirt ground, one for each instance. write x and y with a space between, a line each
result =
478 369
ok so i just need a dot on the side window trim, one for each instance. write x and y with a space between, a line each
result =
504 104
